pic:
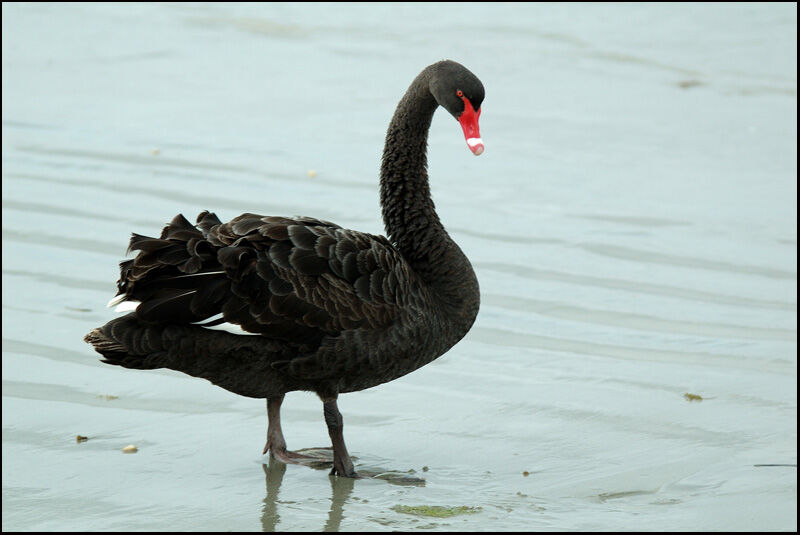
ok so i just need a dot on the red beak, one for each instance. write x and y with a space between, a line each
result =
469 123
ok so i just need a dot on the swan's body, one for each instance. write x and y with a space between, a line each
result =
327 309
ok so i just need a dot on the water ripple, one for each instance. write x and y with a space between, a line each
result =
636 321
504 337
639 255
636 286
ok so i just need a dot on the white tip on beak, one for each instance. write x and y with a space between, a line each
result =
475 145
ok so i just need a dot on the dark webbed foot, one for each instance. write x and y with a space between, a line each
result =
341 470
276 444
288 457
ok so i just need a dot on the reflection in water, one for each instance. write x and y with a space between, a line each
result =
341 489
269 515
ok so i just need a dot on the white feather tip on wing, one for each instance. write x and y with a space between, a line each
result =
127 306
116 300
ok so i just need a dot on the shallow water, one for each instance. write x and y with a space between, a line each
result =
633 225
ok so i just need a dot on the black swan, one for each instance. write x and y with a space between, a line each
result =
331 310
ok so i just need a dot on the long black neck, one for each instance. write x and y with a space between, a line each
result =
408 211
410 217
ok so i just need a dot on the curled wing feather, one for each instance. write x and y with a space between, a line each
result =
295 279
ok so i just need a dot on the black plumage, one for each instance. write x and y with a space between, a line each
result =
329 310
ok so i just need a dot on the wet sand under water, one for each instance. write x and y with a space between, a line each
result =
633 225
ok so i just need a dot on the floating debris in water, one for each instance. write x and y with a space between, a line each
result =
436 511
311 173
692 397
424 468
107 397
606 496
130 449
526 473
686 84
81 438
395 478
155 152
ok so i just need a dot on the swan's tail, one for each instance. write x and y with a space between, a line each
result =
125 342
240 364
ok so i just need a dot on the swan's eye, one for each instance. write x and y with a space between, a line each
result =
460 93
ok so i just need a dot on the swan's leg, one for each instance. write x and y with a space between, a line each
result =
342 465
276 444
275 441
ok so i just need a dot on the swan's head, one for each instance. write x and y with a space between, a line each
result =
460 92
